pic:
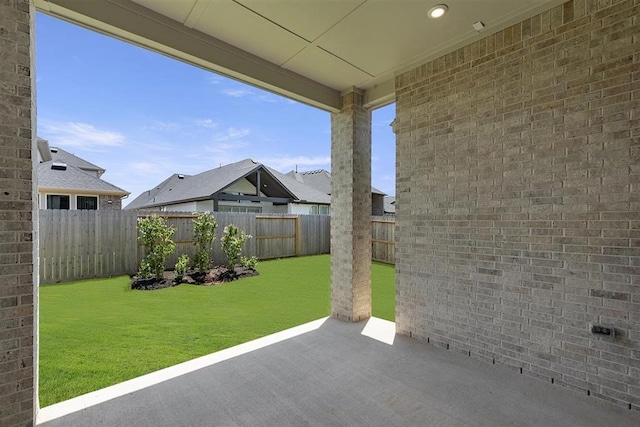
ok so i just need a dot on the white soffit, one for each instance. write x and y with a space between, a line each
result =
326 69
239 26
392 34
177 10
308 19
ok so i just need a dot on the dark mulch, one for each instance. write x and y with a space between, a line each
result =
215 276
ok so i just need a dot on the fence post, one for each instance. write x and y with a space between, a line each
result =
298 237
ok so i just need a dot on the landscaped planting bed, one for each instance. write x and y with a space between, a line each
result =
99 332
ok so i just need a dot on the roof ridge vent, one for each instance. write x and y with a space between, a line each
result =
313 172
59 166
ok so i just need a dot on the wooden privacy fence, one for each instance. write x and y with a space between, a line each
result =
273 236
78 244
82 244
383 244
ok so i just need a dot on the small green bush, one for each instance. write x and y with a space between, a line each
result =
231 241
155 235
204 231
182 266
249 262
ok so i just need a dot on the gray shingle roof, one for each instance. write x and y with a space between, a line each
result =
203 185
301 190
73 160
389 204
320 180
147 198
74 179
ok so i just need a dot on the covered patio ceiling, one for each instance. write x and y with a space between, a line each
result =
309 50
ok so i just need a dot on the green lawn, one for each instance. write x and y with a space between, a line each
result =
96 333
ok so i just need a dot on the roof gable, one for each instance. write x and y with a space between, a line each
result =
270 185
213 182
72 178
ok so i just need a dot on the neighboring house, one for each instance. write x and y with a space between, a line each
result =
234 188
321 180
389 205
66 181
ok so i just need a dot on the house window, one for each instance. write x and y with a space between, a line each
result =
240 209
57 201
319 209
87 202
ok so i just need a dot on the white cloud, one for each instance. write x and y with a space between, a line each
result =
158 125
81 135
285 164
214 79
237 93
226 147
269 98
237 133
231 134
206 123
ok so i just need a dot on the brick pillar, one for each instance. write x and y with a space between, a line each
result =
351 210
17 222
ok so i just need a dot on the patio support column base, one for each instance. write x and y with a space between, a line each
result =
351 210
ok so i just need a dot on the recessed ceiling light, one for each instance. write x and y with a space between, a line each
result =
438 10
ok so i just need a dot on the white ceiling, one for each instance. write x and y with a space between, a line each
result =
311 50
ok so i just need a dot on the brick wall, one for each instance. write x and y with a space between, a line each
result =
104 205
377 204
16 220
351 210
518 188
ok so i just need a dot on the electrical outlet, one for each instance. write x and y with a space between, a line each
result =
606 331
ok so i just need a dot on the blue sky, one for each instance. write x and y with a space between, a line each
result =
143 116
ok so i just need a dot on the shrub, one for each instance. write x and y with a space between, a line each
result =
251 263
182 266
231 241
155 235
204 229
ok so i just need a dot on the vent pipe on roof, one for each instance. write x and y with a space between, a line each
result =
54 150
180 176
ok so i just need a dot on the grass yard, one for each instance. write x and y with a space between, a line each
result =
96 333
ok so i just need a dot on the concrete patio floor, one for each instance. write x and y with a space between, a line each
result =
331 373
